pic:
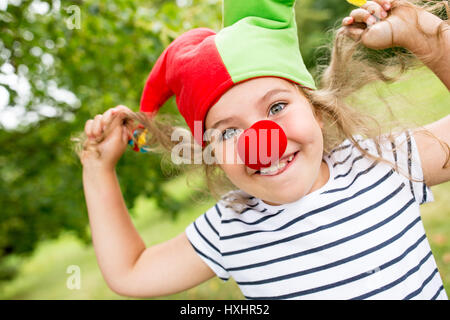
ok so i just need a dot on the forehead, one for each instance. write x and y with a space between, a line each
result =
244 94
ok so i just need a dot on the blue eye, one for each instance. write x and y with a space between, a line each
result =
228 133
277 108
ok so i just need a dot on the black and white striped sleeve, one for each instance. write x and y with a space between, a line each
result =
405 155
204 236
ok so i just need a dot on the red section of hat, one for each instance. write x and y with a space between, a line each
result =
192 69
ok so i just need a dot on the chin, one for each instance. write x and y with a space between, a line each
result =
277 199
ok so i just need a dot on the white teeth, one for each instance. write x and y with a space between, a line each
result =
273 169
276 167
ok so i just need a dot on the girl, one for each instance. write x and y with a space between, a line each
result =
337 217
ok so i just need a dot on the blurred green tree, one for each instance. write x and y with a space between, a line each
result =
63 62
102 52
315 21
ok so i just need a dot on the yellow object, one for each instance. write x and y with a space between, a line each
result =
142 139
358 3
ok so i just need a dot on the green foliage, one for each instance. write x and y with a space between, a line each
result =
104 61
315 21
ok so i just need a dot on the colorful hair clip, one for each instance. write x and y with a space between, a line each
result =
140 136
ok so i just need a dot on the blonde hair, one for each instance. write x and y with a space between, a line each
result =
351 67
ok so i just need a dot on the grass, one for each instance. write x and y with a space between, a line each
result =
43 276
419 99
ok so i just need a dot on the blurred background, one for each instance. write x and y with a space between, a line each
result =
63 62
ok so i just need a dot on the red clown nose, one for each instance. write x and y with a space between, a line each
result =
262 145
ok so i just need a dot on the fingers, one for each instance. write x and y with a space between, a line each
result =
370 13
88 128
386 4
375 9
353 32
97 127
363 15
122 112
120 109
94 128
106 118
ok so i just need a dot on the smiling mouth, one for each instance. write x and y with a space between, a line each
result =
279 167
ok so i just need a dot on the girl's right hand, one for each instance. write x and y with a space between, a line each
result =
106 139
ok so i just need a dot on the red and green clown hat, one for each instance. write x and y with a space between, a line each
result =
259 38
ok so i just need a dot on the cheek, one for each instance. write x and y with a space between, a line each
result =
228 159
236 174
302 128
226 153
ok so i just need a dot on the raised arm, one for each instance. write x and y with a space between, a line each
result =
433 49
403 25
428 37
434 154
128 267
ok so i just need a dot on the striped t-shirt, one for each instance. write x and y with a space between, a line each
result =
360 236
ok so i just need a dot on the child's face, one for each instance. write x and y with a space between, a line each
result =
293 112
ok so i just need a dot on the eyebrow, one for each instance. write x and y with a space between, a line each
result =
265 97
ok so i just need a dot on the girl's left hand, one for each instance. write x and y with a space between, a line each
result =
379 24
